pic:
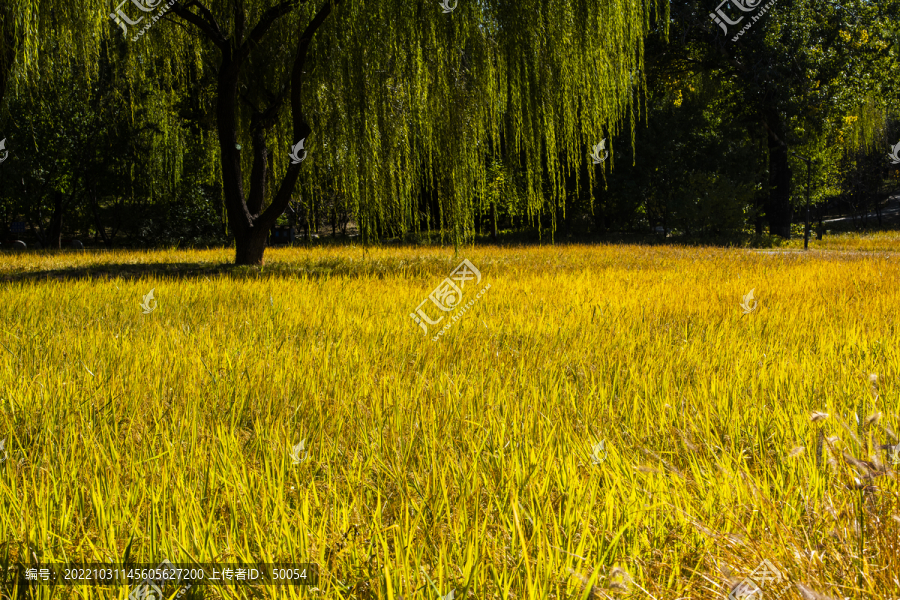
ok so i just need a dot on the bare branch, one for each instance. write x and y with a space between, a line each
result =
773 134
259 170
250 103
301 127
240 22
270 16
205 22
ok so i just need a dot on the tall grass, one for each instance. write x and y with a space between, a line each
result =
464 464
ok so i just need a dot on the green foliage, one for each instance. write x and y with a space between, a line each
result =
423 120
403 99
112 157
693 169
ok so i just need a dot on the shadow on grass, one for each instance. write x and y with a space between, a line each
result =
299 268
327 267
310 269
127 271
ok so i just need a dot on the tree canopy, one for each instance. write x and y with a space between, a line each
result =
430 115
393 99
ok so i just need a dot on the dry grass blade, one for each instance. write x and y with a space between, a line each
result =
808 593
594 592
873 418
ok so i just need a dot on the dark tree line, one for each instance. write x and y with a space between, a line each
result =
416 124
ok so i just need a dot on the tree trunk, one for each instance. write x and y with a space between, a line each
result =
436 211
249 248
248 244
317 217
758 218
98 222
778 204
494 221
250 226
54 231
666 217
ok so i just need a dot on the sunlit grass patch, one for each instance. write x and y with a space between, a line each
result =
605 420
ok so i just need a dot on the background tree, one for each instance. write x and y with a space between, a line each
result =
801 66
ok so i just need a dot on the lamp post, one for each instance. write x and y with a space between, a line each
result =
808 162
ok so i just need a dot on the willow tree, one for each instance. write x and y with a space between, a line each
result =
43 43
395 97
41 36
392 98
72 53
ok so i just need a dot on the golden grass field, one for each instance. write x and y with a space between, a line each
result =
469 464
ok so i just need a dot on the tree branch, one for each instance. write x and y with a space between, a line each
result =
259 170
240 22
772 133
271 113
205 23
301 127
270 16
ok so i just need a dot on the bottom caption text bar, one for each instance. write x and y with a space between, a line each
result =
165 574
